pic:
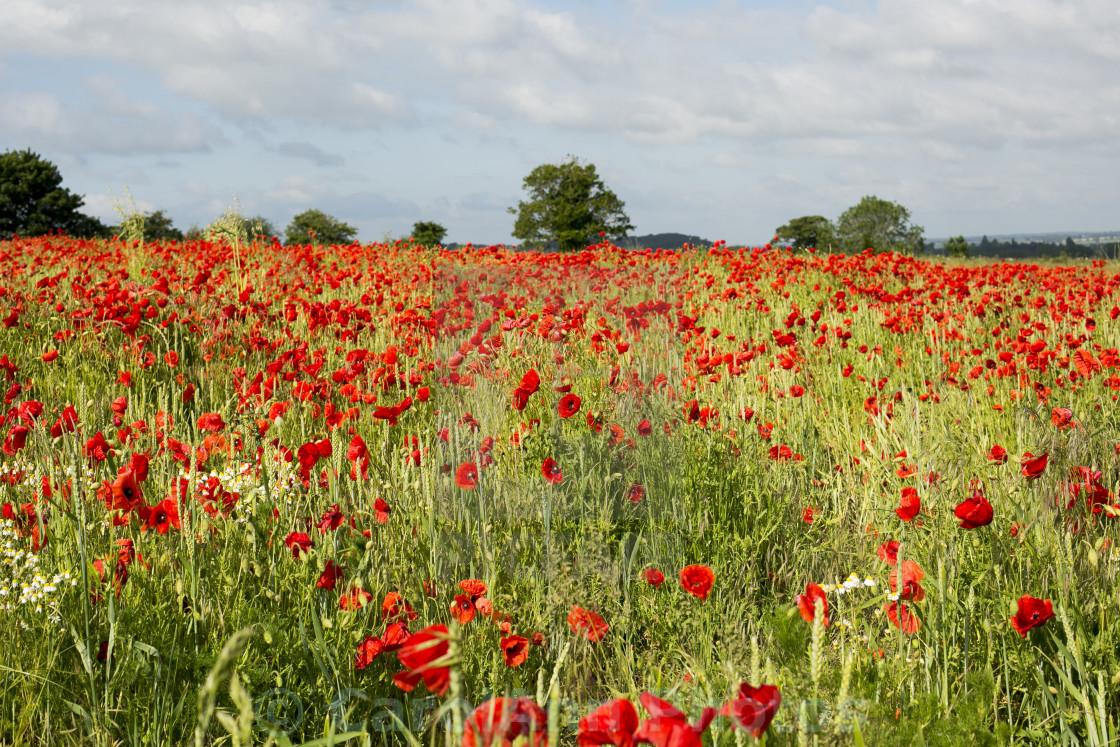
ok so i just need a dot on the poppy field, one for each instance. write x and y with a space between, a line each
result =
387 494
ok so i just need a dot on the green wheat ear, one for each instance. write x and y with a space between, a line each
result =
132 217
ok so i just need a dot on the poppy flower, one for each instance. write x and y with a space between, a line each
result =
653 577
551 471
424 657
1061 418
462 609
466 476
298 543
382 510
697 580
367 652
212 422
396 609
588 623
668 727
502 722
330 576
636 493
163 516
612 723
807 603
1032 467
902 618
753 708
911 575
888 552
644 429
125 492
473 588
974 512
568 405
909 505
997 454
515 650
331 519
1032 613
355 599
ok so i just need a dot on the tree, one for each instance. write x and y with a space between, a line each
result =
808 231
428 233
570 205
33 201
957 247
316 227
878 224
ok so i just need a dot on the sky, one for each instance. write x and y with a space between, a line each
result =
719 119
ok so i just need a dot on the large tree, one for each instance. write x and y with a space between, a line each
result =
428 233
316 227
34 202
568 204
878 224
809 231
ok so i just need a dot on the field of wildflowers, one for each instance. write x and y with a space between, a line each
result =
382 494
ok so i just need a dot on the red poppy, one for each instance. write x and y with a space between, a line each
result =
125 493
551 471
1032 467
299 543
636 493
462 609
382 509
888 552
807 603
998 454
974 512
330 576
1032 613
902 618
645 428
396 609
568 405
809 514
653 577
1061 418
424 657
367 652
668 727
355 599
502 722
588 623
909 505
753 708
911 574
473 588
212 422
515 649
612 723
466 476
163 516
16 440
697 580
396 635
331 519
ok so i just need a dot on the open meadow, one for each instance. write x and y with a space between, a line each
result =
257 493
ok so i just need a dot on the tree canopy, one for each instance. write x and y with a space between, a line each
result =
957 247
878 224
809 231
428 233
570 205
316 227
34 202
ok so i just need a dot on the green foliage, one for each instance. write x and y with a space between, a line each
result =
808 231
957 247
569 205
428 233
878 224
34 202
316 227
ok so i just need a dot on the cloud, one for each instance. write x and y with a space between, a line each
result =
113 123
309 152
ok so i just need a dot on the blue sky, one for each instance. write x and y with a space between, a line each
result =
721 119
